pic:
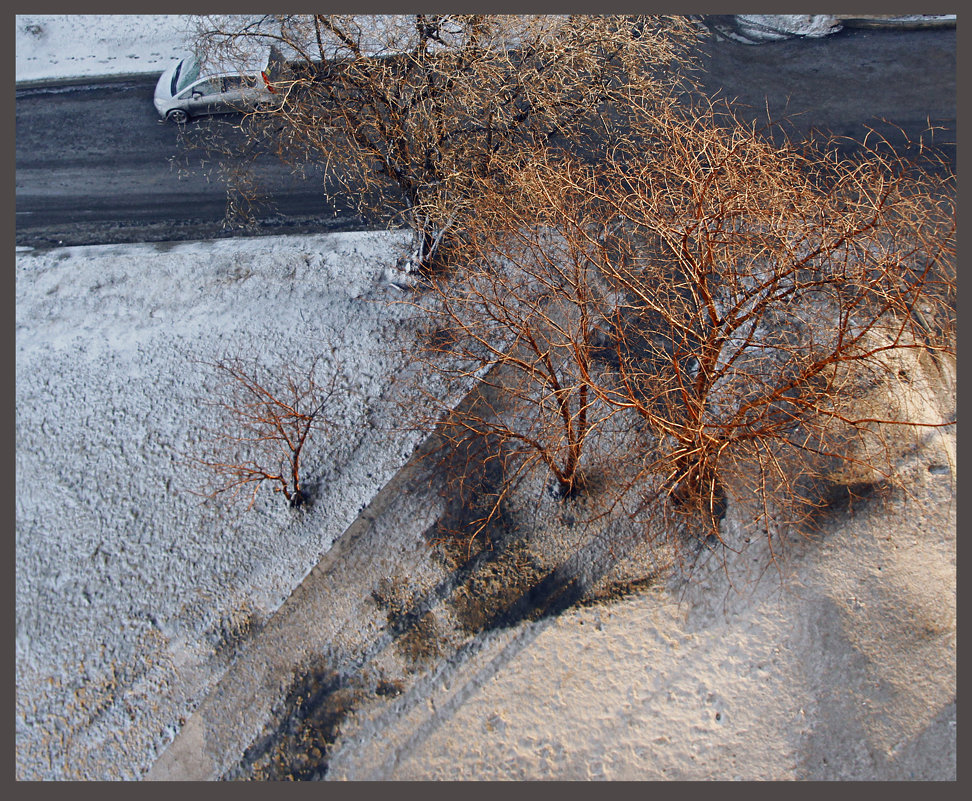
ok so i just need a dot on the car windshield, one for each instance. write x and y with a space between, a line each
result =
185 74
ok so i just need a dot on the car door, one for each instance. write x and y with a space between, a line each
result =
204 97
237 93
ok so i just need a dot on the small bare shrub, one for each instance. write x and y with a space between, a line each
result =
267 419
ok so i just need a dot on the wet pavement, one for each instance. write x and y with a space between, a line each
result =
115 174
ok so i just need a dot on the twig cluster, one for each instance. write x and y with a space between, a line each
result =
266 421
409 112
730 302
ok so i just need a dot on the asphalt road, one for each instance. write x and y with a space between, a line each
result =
845 82
95 165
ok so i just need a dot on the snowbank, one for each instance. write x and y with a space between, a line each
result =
56 46
762 28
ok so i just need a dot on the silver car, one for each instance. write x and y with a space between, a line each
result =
182 93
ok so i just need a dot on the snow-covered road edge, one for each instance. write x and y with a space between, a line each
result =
71 46
59 47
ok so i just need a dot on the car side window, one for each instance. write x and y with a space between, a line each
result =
207 87
234 82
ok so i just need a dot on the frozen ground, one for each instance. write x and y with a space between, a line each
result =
136 603
53 46
133 599
403 659
129 589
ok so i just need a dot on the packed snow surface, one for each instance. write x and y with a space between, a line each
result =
52 46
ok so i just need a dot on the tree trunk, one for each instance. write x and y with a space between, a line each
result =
699 487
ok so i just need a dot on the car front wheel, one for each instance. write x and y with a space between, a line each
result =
178 116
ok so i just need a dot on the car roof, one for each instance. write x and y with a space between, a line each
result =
253 60
249 62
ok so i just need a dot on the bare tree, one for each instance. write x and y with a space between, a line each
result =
774 285
266 421
525 320
408 112
738 302
523 316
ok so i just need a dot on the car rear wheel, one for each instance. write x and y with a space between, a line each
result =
178 116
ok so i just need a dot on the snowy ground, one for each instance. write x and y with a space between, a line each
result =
54 46
135 600
127 583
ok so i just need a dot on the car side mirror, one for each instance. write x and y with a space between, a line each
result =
197 93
